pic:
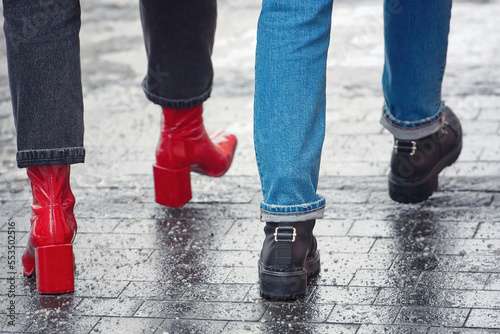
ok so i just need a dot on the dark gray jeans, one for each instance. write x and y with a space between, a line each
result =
43 52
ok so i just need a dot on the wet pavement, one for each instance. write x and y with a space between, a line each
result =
429 268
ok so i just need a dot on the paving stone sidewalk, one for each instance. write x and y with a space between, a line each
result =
432 267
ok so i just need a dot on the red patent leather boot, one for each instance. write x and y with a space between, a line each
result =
184 146
49 254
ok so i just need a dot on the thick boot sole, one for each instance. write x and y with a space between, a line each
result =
287 285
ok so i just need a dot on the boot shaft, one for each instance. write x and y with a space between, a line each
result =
52 219
184 123
287 245
50 186
182 132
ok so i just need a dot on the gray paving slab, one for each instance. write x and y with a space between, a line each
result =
428 268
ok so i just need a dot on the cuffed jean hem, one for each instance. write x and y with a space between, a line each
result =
51 157
412 130
292 213
176 104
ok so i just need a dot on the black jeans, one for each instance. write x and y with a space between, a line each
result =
43 53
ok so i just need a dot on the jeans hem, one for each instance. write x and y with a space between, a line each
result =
292 213
412 130
176 104
50 157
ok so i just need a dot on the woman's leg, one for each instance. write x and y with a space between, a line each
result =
427 134
290 103
416 43
43 56
179 37
289 127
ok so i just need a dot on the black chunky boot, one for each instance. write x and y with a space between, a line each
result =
415 164
289 256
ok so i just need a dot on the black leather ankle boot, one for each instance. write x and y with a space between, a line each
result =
289 256
415 164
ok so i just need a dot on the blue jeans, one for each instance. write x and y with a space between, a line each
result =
43 53
290 82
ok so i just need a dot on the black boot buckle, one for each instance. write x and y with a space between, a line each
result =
285 233
405 147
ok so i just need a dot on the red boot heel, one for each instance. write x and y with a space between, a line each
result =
172 187
54 267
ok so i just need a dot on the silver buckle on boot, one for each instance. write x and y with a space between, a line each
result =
413 147
293 233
